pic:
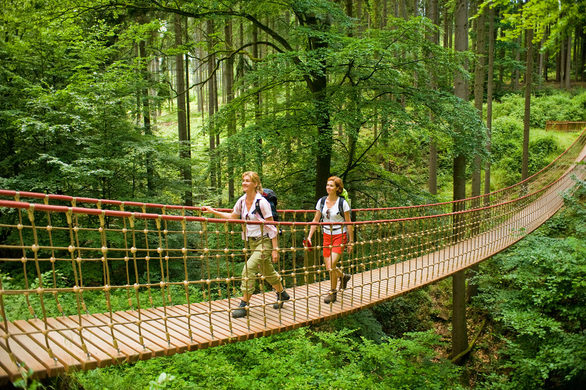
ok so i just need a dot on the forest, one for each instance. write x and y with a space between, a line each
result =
408 101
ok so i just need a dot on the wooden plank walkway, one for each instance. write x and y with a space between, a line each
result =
89 341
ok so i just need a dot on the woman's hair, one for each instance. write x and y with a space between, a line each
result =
255 179
338 183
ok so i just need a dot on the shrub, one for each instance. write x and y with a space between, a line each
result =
536 295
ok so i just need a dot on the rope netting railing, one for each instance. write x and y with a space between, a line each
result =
129 283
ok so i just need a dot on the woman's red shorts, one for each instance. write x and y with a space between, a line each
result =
335 241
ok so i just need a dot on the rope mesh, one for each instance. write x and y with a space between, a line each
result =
128 280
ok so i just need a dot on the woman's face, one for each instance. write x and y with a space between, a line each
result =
330 187
247 184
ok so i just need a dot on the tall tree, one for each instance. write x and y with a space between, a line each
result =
489 92
229 93
212 104
145 105
433 13
479 77
527 112
459 328
184 141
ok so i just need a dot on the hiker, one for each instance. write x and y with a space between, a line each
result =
334 208
262 241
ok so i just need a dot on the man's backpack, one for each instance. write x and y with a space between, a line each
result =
271 197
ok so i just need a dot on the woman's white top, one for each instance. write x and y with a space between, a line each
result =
255 230
334 216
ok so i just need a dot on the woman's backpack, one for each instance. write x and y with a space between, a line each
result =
271 197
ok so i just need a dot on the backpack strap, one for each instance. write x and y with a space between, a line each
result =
241 208
321 204
257 209
341 207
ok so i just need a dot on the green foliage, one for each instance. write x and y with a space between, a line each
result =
536 294
299 359
507 132
407 313
555 106
27 383
162 382
363 324
67 115
377 102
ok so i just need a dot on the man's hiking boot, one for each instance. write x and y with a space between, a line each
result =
241 311
281 298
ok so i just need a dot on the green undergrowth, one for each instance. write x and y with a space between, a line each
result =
299 359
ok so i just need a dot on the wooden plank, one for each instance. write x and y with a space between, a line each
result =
67 352
98 343
220 326
9 370
40 352
180 319
222 317
256 327
201 321
154 329
174 328
152 342
127 345
198 326
21 347
239 329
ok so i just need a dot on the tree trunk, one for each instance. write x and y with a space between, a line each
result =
433 14
568 62
146 113
517 59
185 148
526 117
257 104
212 104
459 326
317 85
489 90
582 56
459 331
229 93
187 89
541 56
479 76
560 63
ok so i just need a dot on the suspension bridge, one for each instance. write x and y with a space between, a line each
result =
99 282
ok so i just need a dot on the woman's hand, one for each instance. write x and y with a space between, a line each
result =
275 255
349 247
207 209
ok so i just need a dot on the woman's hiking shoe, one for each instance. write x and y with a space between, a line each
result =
241 311
331 298
344 281
281 298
